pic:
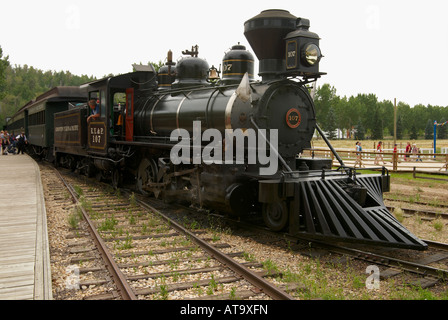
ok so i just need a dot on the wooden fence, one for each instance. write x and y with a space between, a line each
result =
400 161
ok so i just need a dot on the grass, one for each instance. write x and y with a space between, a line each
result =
399 215
438 225
86 204
131 219
232 294
270 266
78 191
75 217
403 176
212 285
163 294
133 200
108 224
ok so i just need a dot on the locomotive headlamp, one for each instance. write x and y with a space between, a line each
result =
302 51
312 54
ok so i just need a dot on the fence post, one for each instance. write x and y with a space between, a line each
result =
395 162
446 162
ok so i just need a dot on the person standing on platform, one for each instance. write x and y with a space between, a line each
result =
2 137
358 155
5 142
408 152
419 155
379 153
21 143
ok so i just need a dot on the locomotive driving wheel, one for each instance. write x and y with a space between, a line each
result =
275 215
147 173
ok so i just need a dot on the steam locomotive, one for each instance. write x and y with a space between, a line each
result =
229 143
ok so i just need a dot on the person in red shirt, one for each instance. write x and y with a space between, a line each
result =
379 153
408 151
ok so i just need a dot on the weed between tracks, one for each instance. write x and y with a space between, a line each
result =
75 217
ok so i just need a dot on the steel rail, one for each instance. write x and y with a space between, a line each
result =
256 280
120 280
384 260
415 202
432 214
436 245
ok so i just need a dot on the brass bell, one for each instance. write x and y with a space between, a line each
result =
213 73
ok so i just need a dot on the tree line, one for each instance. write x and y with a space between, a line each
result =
21 84
366 117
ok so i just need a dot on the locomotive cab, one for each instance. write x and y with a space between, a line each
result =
96 129
92 145
115 98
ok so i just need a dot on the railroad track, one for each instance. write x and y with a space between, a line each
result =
423 269
417 267
137 265
75 261
439 205
146 255
430 215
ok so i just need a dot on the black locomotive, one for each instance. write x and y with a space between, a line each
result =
175 135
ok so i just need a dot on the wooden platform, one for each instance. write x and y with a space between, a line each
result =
24 255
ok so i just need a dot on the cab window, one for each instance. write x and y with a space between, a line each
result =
100 97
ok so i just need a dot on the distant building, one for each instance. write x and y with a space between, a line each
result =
338 134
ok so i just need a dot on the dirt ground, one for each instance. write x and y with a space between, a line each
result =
427 190
424 195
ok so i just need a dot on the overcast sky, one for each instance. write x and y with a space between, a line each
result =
394 48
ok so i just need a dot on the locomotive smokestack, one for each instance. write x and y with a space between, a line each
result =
266 34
